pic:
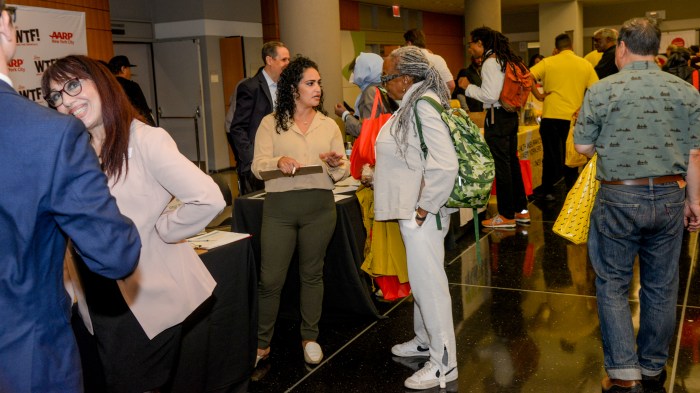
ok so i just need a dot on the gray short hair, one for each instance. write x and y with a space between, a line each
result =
641 36
610 34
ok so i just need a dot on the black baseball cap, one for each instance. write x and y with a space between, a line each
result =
117 62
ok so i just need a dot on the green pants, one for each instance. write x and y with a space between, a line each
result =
291 219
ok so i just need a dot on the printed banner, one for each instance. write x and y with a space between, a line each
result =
684 38
43 36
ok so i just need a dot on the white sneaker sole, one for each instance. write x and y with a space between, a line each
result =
430 383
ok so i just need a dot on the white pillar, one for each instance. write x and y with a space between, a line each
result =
478 13
557 18
312 28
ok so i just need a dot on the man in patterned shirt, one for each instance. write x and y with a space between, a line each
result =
645 126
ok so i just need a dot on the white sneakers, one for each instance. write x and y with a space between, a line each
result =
313 353
410 348
429 376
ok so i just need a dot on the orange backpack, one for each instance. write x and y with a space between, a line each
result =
516 87
696 82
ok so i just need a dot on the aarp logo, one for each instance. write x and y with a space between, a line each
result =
16 65
61 37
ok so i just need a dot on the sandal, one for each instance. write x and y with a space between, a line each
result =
261 355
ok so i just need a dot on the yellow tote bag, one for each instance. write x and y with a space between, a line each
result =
573 159
575 217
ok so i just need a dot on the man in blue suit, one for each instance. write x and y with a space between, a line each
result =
255 99
53 188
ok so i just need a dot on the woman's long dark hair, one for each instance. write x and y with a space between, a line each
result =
288 92
495 42
117 111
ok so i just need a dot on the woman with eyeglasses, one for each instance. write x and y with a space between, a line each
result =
299 210
137 321
413 188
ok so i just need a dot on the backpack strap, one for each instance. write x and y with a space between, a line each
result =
423 146
438 108
696 79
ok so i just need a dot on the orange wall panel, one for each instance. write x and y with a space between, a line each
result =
444 36
349 15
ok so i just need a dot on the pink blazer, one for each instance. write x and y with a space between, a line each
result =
170 280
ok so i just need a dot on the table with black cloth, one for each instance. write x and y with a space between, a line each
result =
346 287
220 339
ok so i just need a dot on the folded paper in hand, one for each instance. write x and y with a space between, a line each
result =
277 173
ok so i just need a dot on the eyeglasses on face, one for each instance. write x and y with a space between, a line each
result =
386 78
71 87
12 11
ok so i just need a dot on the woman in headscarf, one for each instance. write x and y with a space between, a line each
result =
413 188
366 75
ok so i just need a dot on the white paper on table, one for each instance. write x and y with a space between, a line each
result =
344 189
259 196
215 239
340 197
349 184
348 181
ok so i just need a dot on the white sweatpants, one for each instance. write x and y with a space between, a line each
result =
432 315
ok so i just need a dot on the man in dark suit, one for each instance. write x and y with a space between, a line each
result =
255 98
121 68
53 188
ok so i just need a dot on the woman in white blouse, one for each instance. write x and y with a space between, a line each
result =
137 320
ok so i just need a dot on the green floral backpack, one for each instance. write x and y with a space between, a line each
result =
476 168
472 188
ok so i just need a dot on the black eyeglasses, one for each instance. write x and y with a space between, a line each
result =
387 78
12 11
72 88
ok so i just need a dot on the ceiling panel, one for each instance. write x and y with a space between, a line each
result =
456 7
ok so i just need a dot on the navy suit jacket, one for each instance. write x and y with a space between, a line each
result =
52 188
253 102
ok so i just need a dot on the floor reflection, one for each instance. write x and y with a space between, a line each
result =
525 321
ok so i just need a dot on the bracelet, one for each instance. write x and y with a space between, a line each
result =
419 218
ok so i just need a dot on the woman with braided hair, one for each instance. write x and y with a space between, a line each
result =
501 126
413 189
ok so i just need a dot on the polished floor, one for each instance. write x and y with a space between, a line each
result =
525 321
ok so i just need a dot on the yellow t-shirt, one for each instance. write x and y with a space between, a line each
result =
565 77
593 57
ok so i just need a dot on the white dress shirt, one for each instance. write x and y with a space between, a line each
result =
272 85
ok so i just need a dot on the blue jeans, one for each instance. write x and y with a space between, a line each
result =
627 221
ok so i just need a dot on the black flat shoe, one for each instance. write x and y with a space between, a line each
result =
654 384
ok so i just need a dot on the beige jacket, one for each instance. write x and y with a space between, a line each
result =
170 280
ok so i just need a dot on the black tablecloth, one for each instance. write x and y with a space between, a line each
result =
346 286
220 340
